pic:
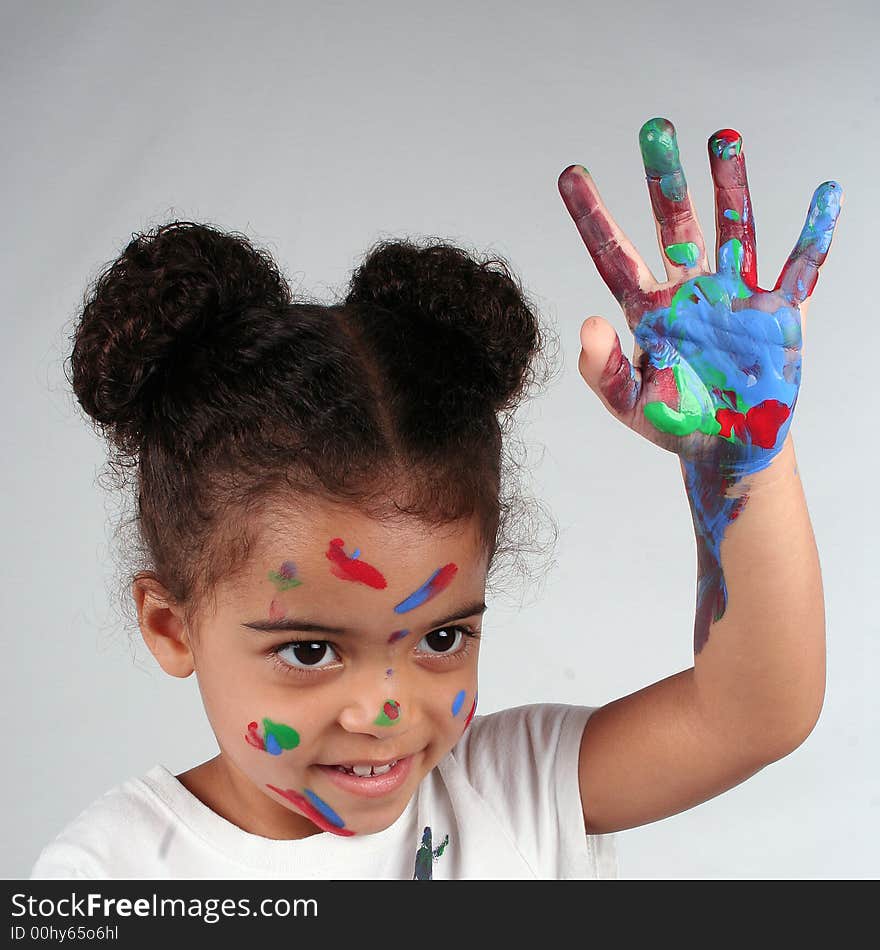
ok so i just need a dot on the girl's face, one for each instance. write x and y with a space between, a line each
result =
340 670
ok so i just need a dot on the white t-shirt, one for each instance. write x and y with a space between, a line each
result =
506 796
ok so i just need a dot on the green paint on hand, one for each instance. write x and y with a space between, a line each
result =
689 417
707 287
286 737
659 149
687 253
732 215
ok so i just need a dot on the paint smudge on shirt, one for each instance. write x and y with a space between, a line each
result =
353 568
438 581
427 855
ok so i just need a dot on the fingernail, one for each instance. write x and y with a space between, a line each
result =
726 143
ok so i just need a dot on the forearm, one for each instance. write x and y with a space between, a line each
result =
760 675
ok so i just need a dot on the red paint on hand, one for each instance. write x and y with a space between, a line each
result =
761 422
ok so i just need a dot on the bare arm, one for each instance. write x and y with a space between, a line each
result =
755 690
706 384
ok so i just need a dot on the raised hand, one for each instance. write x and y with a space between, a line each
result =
716 365
716 368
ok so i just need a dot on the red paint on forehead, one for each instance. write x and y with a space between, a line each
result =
353 569
443 578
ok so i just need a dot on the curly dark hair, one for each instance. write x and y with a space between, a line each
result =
223 395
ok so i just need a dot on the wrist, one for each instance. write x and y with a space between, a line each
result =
700 479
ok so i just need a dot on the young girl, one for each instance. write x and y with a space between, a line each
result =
319 500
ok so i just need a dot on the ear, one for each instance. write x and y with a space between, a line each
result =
162 626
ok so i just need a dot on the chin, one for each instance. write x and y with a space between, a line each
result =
375 824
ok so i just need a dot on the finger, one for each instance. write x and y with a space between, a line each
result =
733 206
606 370
678 231
619 264
801 271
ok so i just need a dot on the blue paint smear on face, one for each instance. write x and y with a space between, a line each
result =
272 745
417 597
324 808
456 703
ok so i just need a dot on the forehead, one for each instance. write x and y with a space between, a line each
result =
330 554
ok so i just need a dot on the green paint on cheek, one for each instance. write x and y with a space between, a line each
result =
286 737
732 215
687 253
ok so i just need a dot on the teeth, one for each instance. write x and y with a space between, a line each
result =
364 771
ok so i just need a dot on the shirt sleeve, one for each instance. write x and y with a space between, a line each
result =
524 763
63 862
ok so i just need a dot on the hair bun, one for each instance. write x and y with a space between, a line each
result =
169 290
479 299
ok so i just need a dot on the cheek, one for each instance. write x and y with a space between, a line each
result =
258 722
452 701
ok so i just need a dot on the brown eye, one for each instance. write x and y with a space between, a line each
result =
444 640
307 653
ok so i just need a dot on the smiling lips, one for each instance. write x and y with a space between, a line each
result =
369 779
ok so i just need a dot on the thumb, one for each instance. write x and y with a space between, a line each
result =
605 369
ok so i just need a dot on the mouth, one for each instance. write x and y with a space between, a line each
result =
369 779
367 769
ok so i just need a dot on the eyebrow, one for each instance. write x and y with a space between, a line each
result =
308 626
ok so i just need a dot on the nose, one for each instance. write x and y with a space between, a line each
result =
377 705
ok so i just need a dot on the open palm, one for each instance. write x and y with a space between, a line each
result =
716 365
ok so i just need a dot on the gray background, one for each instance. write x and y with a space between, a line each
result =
317 128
